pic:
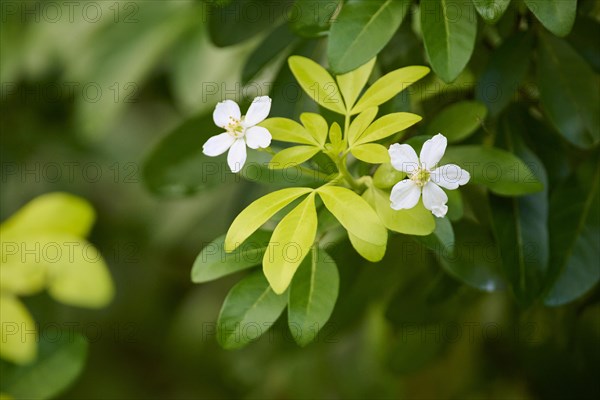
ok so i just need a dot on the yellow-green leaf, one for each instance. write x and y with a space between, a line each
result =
415 221
387 126
316 125
16 276
287 130
335 135
361 123
51 213
317 83
352 83
290 244
257 213
387 176
371 252
388 86
292 156
373 153
356 216
19 337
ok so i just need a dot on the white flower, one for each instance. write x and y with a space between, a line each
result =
423 177
241 131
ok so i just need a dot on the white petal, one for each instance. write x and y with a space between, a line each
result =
218 145
433 150
404 158
258 137
405 194
224 111
450 176
258 111
434 199
237 155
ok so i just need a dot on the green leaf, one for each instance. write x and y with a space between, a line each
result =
505 72
214 262
316 125
569 92
15 319
458 121
361 30
361 123
310 18
292 156
257 213
498 170
352 83
317 83
388 86
249 310
61 360
51 213
177 166
387 126
235 21
356 216
373 153
574 223
369 251
449 30
415 221
288 130
335 136
582 38
290 244
455 205
312 296
475 259
558 16
491 10
520 225
274 44
441 240
387 176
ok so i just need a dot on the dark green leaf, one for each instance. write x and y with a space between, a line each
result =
584 39
498 170
505 72
520 225
61 359
574 236
569 92
239 20
361 30
442 238
491 10
312 296
310 18
274 44
214 262
557 16
458 121
475 260
449 29
249 310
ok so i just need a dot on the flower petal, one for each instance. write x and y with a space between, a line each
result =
258 137
258 111
237 155
434 199
404 158
218 145
225 111
405 194
433 150
450 176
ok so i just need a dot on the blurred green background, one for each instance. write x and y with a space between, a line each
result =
88 90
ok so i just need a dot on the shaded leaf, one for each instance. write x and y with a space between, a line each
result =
458 121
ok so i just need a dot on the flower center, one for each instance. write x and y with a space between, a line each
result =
235 128
421 177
